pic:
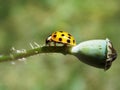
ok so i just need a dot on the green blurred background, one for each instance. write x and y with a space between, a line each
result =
27 21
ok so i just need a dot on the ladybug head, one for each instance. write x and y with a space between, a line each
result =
48 40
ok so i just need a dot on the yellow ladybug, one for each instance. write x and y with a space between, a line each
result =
61 37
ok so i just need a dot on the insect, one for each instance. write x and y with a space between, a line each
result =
61 37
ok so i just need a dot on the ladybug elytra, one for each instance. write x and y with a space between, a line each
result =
61 37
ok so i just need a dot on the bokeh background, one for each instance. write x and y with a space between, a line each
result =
27 21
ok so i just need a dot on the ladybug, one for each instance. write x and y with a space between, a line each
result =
61 37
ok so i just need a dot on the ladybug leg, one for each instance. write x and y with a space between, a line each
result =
64 45
54 43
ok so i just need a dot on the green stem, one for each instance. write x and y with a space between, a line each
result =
45 49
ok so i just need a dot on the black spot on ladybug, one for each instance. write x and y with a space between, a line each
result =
60 39
69 34
73 41
68 41
62 35
69 37
54 36
61 31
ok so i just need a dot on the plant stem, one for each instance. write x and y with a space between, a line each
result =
45 49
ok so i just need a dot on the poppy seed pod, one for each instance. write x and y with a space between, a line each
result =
97 53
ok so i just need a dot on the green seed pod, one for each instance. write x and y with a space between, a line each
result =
97 53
